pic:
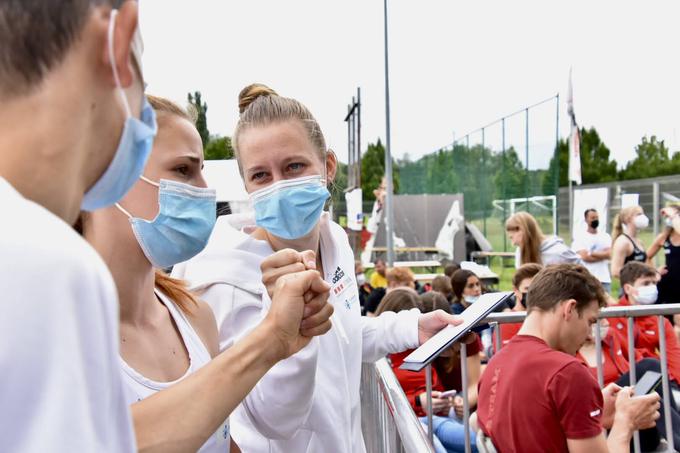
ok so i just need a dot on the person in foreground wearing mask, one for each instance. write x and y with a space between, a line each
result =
75 133
626 245
309 402
615 368
536 381
167 217
594 247
638 281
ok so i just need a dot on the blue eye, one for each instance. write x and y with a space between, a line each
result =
296 166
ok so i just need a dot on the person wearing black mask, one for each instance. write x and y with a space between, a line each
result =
594 247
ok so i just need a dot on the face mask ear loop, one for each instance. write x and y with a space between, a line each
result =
122 209
148 181
112 23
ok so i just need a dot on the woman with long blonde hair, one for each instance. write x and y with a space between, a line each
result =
626 246
533 246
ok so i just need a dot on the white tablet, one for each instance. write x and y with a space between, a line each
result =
472 315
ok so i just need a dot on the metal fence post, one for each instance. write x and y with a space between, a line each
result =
633 377
666 384
428 388
466 402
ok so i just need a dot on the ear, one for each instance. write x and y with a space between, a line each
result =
123 31
569 309
331 166
628 289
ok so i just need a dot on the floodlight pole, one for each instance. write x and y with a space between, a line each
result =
389 189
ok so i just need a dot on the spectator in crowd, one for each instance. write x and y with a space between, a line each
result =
397 277
448 368
532 246
378 278
669 241
451 268
158 313
72 92
520 286
626 245
449 432
311 401
536 381
594 247
364 287
615 368
466 289
442 285
638 281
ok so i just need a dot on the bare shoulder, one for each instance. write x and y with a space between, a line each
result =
203 321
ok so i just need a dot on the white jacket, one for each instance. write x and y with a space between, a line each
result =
308 402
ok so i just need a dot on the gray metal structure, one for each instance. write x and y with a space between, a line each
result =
418 219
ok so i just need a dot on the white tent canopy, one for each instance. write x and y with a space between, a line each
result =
223 176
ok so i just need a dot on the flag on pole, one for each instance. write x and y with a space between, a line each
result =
574 139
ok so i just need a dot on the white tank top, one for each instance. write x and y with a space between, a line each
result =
138 387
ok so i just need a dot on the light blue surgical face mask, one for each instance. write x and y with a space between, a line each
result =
290 208
185 220
471 299
133 150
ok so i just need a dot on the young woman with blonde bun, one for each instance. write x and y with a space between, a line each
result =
310 402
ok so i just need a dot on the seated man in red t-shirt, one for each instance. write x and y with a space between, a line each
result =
535 396
638 281
520 286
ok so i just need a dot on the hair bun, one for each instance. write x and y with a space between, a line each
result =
248 95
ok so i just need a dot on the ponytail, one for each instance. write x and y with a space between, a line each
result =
177 291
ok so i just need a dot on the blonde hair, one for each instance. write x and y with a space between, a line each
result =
165 107
259 105
532 236
624 216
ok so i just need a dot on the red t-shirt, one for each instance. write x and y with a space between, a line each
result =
615 361
413 382
508 331
646 331
533 398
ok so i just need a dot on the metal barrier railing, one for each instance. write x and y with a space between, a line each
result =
630 312
388 422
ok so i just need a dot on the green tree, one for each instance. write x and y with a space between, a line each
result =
651 159
596 162
373 170
201 120
339 185
218 148
511 176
